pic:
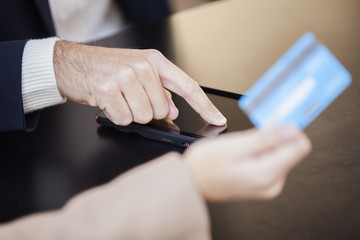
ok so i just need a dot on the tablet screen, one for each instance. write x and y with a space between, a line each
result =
190 123
189 126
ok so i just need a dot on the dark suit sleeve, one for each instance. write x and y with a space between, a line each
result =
145 11
11 105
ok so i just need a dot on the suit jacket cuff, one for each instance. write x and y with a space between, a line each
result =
10 90
39 89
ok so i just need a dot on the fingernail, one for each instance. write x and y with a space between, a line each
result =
220 118
288 132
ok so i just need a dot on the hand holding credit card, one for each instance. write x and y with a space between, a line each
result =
298 87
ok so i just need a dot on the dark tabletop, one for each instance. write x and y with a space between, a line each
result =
226 45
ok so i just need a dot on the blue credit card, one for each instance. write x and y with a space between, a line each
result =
298 87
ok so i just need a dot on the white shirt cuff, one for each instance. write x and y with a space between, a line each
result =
39 88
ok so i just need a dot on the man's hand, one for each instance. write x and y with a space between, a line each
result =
246 165
129 85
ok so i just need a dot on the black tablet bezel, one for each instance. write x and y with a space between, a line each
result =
159 133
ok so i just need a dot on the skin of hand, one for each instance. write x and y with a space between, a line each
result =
252 164
246 165
129 85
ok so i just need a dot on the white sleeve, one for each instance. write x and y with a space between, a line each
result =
39 88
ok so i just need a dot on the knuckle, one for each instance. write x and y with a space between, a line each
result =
126 74
303 146
307 146
263 182
161 113
191 86
108 86
122 119
168 94
155 56
144 118
267 138
273 193
210 106
153 53
143 65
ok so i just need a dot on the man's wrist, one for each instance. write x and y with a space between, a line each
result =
39 88
72 66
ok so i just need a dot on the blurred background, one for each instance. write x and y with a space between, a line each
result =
178 5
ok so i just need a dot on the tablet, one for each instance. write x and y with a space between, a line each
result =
189 126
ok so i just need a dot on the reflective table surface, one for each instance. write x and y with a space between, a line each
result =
226 45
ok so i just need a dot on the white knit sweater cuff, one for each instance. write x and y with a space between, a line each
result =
39 89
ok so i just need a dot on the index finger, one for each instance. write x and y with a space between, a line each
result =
176 80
